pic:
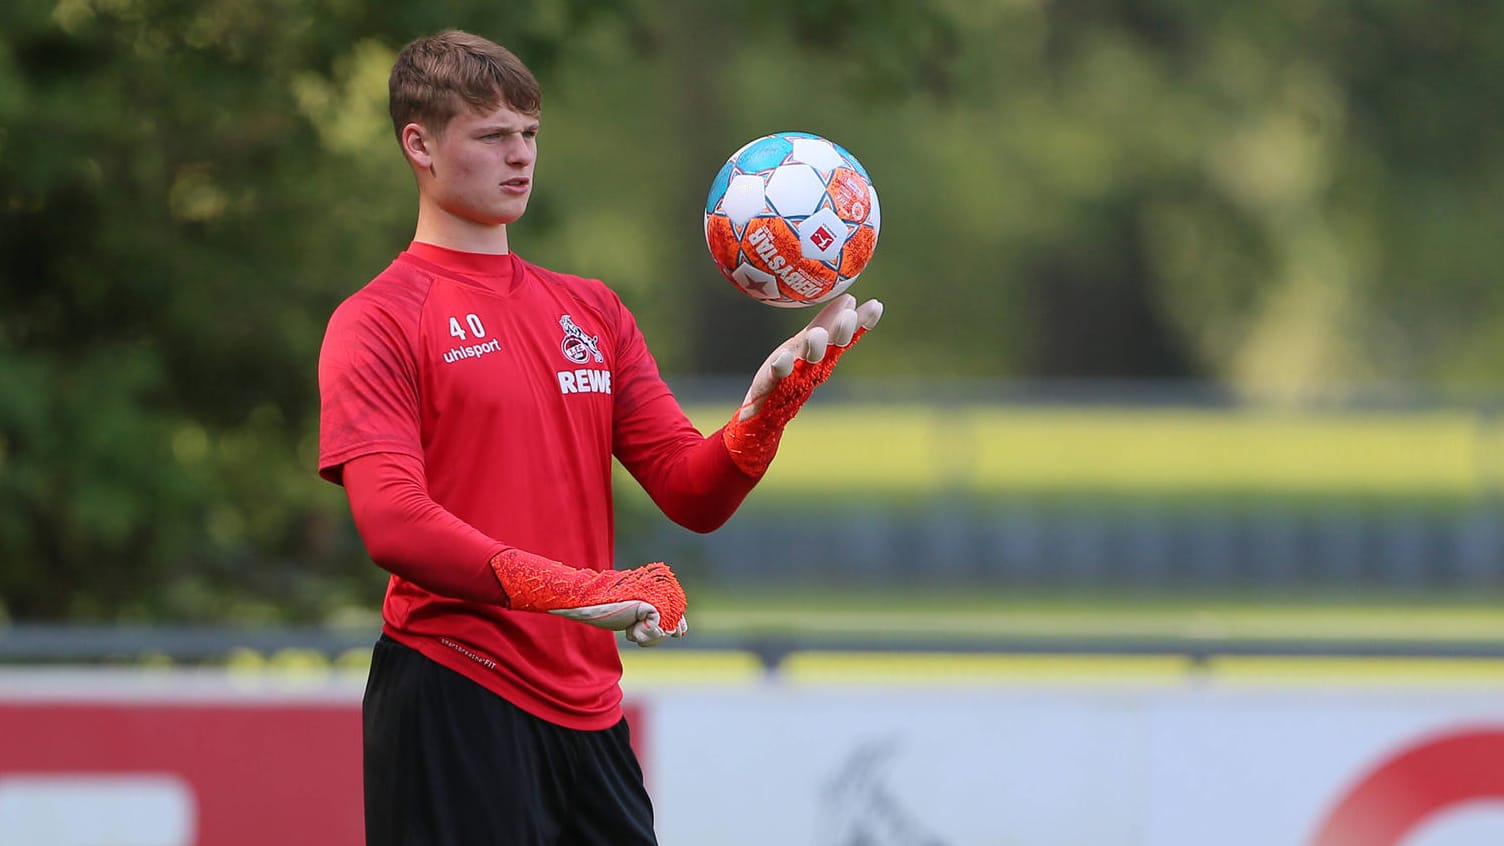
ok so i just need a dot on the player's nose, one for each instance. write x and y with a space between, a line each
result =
520 152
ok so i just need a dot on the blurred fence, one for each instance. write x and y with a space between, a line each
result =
1090 486
965 543
316 651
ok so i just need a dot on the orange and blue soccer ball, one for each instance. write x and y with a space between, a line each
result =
792 219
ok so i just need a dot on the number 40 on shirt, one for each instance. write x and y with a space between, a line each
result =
472 320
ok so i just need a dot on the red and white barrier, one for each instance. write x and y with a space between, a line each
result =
184 759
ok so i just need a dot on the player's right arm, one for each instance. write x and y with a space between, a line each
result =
411 536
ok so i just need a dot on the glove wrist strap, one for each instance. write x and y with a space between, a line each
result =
535 583
753 442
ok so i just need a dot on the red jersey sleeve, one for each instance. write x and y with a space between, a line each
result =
690 477
368 379
411 536
370 441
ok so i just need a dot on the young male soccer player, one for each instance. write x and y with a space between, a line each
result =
471 404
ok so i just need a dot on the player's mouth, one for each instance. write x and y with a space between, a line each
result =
519 185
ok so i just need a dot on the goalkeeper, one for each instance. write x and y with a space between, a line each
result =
471 406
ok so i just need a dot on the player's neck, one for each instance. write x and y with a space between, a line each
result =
462 235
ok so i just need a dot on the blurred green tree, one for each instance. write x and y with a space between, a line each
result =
1283 197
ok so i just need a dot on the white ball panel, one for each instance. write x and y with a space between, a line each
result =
795 190
744 199
756 283
818 152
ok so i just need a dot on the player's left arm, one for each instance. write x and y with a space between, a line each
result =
788 378
700 481
689 476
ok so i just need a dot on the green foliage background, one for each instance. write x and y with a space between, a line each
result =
1286 199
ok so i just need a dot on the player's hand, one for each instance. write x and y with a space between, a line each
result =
639 620
788 377
647 602
837 325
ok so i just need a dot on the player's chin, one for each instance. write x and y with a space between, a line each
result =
510 212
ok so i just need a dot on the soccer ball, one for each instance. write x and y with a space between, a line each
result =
792 219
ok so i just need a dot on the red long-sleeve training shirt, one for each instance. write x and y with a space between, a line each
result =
473 402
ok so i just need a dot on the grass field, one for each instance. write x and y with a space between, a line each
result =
839 453
1195 638
908 450
973 615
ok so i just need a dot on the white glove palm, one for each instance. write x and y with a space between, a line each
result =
637 619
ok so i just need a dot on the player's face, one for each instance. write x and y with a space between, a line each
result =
482 165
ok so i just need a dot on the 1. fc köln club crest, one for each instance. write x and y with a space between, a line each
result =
577 346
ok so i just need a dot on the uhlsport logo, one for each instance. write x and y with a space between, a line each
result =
577 346
472 351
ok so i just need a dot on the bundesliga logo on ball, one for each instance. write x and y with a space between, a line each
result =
791 220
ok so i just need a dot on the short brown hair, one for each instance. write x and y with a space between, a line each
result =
437 76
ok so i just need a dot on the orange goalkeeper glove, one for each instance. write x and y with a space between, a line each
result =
645 602
789 376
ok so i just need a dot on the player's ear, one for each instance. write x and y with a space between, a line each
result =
415 145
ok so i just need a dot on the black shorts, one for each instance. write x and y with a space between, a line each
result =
449 763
